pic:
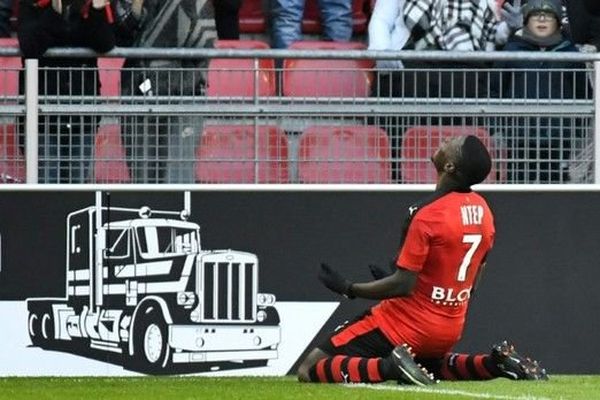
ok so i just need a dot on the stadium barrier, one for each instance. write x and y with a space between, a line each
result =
316 113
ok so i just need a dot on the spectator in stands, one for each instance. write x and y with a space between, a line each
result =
5 14
583 26
65 141
162 148
540 145
286 21
388 31
593 6
227 18
459 24
454 25
584 23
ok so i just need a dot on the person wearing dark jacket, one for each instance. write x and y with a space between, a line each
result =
227 18
540 146
6 10
65 141
161 148
593 6
584 22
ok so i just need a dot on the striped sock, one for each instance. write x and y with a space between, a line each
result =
351 369
461 367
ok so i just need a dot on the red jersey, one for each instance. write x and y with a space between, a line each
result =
445 242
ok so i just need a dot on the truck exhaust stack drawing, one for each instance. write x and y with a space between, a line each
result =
140 285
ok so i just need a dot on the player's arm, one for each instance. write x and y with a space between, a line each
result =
400 283
414 250
479 275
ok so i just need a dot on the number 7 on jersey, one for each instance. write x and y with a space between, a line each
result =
474 241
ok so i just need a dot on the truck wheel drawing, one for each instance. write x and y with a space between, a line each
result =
139 284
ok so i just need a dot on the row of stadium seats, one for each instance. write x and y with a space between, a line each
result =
326 154
236 77
227 154
300 77
232 77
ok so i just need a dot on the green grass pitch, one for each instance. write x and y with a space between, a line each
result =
187 388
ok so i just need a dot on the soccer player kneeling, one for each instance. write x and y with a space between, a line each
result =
409 335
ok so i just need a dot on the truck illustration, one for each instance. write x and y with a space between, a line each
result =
139 283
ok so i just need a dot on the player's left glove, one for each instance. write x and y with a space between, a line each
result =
335 282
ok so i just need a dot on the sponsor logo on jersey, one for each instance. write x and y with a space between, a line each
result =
449 296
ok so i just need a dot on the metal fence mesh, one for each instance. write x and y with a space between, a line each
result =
248 121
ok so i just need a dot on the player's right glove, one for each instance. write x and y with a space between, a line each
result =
335 282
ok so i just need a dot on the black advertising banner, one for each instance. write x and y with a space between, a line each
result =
225 282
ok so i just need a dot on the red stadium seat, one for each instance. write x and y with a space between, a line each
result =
420 142
110 165
12 163
252 17
327 77
9 69
344 154
311 22
236 77
228 154
109 70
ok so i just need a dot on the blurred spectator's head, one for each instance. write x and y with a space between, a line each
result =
542 17
533 7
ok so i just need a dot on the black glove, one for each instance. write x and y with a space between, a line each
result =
335 282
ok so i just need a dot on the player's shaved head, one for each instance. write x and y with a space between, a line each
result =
474 162
465 159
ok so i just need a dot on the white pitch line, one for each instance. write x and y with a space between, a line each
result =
416 389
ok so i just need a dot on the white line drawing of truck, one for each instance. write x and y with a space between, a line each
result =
145 288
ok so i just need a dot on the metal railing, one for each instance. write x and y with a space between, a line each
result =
304 128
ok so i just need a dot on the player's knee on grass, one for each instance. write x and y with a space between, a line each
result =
309 362
303 375
304 371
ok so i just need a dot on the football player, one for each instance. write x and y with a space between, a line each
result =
409 335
